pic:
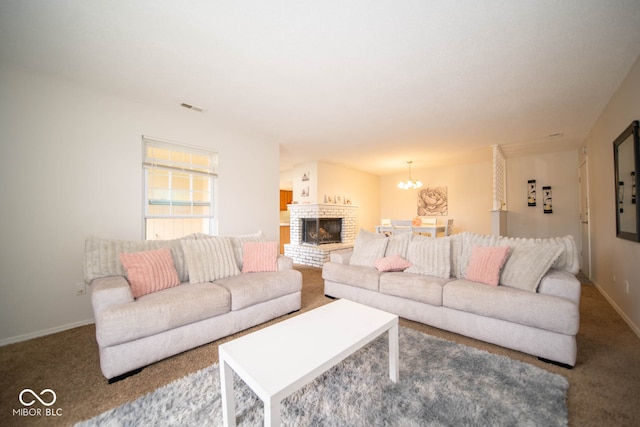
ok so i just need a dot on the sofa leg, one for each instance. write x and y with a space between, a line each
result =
125 375
329 296
553 362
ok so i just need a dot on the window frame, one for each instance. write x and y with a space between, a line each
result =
187 168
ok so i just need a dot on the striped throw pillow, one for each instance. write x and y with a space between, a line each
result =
259 257
209 259
150 271
392 263
429 256
485 264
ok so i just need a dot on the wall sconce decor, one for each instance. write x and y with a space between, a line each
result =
531 192
546 200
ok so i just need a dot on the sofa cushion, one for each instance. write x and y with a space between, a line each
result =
416 287
150 271
368 247
429 256
391 263
209 259
354 275
527 264
259 257
160 311
486 263
515 305
249 289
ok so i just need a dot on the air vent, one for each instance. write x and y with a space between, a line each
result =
554 135
191 107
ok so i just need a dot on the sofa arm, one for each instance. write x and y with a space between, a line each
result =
341 257
109 291
284 263
561 284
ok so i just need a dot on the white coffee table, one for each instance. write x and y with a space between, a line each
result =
278 360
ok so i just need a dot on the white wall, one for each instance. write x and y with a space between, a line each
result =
558 170
326 179
361 188
70 167
469 190
612 256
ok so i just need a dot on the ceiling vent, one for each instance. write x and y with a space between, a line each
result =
555 135
192 107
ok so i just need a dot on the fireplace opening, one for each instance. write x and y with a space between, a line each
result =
320 231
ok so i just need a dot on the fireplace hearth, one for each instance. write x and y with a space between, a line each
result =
315 255
321 231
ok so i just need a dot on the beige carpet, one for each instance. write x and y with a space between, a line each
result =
605 384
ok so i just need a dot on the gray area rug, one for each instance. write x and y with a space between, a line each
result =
442 383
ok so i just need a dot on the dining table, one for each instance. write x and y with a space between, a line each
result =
432 230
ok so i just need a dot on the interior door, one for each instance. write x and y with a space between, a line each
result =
584 219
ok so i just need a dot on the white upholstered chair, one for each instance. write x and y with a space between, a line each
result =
448 229
401 226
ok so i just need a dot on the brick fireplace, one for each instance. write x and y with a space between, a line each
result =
316 253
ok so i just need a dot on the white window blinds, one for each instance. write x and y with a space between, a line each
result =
178 185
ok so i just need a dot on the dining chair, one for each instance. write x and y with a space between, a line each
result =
401 226
448 229
427 222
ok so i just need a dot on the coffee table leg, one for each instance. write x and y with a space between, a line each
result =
228 397
394 354
272 413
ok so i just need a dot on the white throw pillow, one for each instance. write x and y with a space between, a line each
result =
209 259
368 248
430 256
527 264
398 244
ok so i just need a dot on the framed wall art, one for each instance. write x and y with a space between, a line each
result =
626 156
531 192
433 201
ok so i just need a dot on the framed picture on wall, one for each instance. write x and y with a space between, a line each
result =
531 192
433 201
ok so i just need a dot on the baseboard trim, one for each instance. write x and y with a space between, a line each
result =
38 334
622 314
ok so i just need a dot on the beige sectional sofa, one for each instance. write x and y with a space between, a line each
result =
133 332
534 309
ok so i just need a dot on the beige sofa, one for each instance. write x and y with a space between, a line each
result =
135 332
541 320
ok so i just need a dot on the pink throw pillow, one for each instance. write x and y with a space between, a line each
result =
259 257
485 264
150 271
392 263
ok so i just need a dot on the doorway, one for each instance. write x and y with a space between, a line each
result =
585 253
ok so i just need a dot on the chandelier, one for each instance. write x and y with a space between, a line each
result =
410 184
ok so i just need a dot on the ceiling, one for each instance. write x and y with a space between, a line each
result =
363 83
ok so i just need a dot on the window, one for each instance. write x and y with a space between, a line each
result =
178 190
